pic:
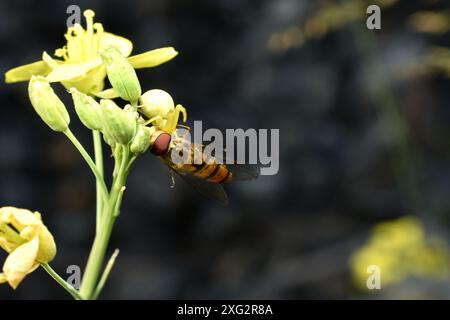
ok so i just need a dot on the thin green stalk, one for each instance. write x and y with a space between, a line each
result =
71 290
99 164
127 167
117 160
109 215
105 274
88 159
96 257
130 163
405 158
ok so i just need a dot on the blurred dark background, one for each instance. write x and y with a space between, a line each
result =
364 125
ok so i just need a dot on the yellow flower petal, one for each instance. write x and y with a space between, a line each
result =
152 58
124 45
20 218
93 81
52 63
24 73
6 245
29 224
107 94
72 71
21 262
47 246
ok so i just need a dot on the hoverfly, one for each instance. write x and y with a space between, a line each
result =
205 175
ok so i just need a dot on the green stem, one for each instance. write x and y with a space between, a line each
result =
99 164
100 245
130 163
405 158
73 292
88 159
105 274
117 158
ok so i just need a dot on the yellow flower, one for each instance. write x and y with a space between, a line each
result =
80 65
401 250
28 242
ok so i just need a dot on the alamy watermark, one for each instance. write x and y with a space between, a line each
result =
74 278
373 21
374 279
74 17
236 146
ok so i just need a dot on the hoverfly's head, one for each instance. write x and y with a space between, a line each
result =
160 142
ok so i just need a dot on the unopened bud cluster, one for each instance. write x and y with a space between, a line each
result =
122 126
47 104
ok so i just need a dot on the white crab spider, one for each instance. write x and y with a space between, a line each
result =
158 106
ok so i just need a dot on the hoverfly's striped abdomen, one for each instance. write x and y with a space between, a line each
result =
202 172
205 169
213 172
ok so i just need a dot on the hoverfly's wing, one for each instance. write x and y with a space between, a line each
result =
210 190
240 171
243 171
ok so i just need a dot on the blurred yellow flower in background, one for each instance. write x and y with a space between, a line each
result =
328 16
28 242
80 65
433 22
401 250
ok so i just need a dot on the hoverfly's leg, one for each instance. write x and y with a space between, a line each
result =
185 134
184 127
172 178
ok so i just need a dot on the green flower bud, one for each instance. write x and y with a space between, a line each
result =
121 74
47 104
108 140
119 125
141 142
88 110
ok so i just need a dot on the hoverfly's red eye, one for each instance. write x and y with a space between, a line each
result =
161 144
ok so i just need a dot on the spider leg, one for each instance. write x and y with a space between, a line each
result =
172 119
154 119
